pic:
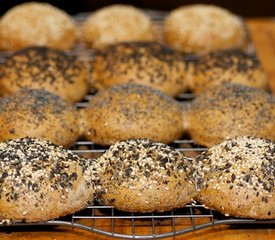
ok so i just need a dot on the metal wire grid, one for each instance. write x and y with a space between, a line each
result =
107 220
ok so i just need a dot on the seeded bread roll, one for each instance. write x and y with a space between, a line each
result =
200 28
132 111
117 23
144 176
231 110
146 63
40 114
39 24
41 181
44 68
235 66
237 178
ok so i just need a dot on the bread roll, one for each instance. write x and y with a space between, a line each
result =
45 68
235 66
144 176
201 28
132 111
40 114
237 178
41 181
117 23
39 24
228 111
146 63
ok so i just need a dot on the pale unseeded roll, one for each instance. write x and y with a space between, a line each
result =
141 175
132 111
117 23
39 24
146 63
200 28
45 68
237 178
231 110
40 114
234 66
41 181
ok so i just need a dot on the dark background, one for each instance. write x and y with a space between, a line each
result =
246 8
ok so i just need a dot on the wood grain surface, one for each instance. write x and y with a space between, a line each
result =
263 36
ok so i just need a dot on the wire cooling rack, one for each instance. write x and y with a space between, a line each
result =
107 220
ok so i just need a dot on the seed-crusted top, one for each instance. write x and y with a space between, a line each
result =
145 63
45 68
42 65
243 162
143 160
121 91
35 102
117 23
237 59
38 24
128 111
30 164
234 66
35 113
231 110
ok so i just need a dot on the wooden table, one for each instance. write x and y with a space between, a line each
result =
263 36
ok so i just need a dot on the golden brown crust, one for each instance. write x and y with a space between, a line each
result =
146 63
38 24
41 181
132 111
230 110
37 113
117 23
45 68
203 28
234 66
237 178
140 175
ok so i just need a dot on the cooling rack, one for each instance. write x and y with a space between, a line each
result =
107 220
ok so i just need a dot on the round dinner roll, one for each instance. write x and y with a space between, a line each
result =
201 28
45 68
41 181
235 66
132 111
145 63
117 23
228 111
237 178
35 23
144 176
40 114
